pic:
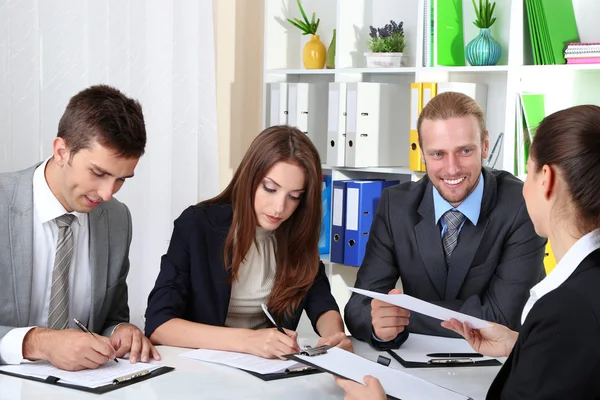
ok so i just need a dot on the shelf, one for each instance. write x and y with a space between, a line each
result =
400 70
380 170
468 68
301 71
561 67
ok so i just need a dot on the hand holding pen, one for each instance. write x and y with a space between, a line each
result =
83 328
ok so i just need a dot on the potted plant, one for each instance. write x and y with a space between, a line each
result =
484 49
387 46
313 53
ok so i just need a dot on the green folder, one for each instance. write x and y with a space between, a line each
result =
450 37
534 111
561 26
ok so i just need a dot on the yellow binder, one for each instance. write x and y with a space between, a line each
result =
420 94
549 260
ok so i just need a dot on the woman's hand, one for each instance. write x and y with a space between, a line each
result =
494 341
270 343
372 390
338 339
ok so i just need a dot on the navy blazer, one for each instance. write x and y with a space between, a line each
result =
557 354
193 283
493 266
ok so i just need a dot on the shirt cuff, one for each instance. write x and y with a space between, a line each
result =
11 345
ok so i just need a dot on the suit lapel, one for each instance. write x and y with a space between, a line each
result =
98 257
21 244
429 243
469 238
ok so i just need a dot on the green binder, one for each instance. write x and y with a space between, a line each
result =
450 39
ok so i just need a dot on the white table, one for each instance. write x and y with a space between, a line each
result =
197 380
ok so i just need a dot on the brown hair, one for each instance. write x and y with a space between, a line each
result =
104 114
451 105
570 141
297 254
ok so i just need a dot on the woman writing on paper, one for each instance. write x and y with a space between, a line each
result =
556 354
255 243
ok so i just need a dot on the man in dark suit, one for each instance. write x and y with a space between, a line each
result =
460 237
65 240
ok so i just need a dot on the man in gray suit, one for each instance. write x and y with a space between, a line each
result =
65 241
460 237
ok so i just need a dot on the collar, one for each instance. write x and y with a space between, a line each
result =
470 207
568 264
46 204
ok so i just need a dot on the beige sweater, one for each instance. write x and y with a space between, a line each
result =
255 282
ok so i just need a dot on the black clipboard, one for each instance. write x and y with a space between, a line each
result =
283 375
97 390
448 364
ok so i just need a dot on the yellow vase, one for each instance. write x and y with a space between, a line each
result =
313 54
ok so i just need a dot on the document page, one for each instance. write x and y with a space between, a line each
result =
417 347
92 378
244 361
423 307
395 382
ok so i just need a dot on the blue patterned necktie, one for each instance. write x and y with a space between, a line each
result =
453 220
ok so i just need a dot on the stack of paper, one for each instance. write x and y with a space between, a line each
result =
247 362
583 53
91 378
551 26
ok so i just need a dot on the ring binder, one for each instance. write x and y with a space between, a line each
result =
314 351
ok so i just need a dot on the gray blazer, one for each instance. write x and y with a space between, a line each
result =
110 237
493 266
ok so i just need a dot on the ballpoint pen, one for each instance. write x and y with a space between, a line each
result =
83 328
268 314
454 355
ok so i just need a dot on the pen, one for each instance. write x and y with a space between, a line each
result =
454 355
266 311
83 328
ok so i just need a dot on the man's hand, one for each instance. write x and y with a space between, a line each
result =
67 349
388 320
127 338
338 339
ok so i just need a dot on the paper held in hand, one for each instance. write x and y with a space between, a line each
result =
423 307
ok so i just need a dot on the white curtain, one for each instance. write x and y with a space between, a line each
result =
158 51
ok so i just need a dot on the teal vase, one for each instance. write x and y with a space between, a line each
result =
483 50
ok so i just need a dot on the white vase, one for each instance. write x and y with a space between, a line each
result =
385 60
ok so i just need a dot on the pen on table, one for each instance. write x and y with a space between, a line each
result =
268 314
83 328
454 355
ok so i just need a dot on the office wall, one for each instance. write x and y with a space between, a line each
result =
239 58
159 51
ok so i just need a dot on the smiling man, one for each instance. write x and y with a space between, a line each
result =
460 237
65 240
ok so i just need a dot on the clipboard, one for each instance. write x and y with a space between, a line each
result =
117 384
397 384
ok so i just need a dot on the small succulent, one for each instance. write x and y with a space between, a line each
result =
307 27
389 39
485 12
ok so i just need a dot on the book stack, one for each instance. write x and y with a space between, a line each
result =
582 53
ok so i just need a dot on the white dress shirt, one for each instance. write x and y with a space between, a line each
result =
46 208
563 270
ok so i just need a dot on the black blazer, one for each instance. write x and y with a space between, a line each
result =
193 283
491 271
557 354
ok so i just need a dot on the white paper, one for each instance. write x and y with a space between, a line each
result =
418 346
92 378
244 361
423 307
395 383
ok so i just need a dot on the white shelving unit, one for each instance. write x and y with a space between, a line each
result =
564 85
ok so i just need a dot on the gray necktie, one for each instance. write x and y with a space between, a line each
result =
453 220
58 313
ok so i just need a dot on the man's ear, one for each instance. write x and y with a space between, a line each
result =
61 151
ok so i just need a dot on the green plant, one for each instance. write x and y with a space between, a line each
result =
485 12
389 39
307 27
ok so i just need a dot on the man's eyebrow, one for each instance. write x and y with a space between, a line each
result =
105 172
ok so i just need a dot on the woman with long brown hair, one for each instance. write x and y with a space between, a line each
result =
255 243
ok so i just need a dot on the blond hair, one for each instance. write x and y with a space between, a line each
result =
452 105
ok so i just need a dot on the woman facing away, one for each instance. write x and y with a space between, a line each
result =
255 243
556 354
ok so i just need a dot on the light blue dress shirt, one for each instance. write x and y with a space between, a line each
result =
470 207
